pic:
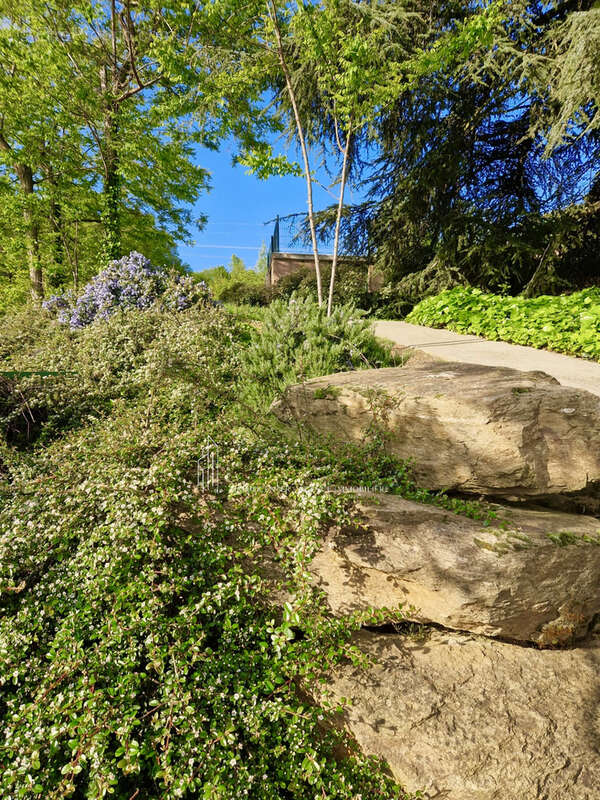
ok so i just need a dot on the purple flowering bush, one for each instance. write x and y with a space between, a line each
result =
127 284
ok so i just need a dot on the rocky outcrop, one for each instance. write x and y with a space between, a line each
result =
530 576
488 430
468 718
480 703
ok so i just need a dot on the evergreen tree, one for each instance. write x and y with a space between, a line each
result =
464 184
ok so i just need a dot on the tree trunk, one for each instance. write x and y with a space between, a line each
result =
112 184
35 266
76 260
543 278
338 219
25 175
112 208
302 140
57 231
56 220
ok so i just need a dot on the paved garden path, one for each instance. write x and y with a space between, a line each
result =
451 346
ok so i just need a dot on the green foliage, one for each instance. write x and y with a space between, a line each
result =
214 277
350 286
245 293
370 466
101 112
565 323
118 361
238 284
563 69
456 46
349 62
262 163
296 341
142 646
397 299
302 280
565 538
462 180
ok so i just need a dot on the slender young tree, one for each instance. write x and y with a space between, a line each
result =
285 68
340 50
350 59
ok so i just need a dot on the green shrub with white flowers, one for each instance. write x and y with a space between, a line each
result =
142 651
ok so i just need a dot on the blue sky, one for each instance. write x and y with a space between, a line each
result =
237 207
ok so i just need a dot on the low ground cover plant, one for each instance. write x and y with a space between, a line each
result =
142 652
565 323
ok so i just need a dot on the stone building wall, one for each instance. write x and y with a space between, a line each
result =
283 264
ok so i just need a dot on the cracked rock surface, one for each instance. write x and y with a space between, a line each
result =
468 718
489 430
536 579
472 709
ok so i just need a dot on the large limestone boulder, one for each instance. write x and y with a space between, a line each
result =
535 579
468 718
489 430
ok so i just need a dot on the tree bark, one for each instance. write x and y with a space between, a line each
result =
56 219
76 260
57 230
338 219
25 175
111 185
302 140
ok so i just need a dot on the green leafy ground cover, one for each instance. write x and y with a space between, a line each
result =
565 323
143 650
142 653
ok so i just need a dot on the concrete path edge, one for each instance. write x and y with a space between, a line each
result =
569 371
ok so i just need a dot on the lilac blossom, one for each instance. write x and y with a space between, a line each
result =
129 283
